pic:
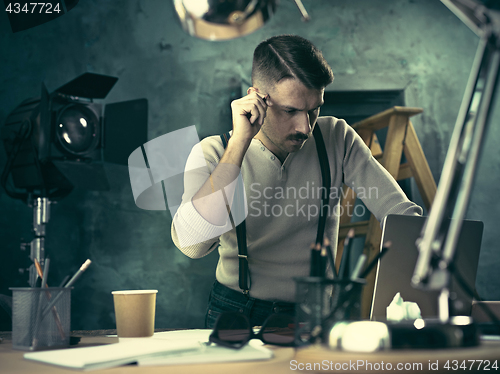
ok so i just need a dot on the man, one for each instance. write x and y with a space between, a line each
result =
272 147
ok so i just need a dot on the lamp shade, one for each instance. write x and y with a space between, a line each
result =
223 19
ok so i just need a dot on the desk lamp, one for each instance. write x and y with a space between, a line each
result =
226 19
438 240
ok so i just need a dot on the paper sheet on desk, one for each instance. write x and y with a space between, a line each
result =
208 354
165 348
111 355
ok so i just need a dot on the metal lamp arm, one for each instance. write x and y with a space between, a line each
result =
438 239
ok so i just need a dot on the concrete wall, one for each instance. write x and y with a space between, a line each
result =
418 45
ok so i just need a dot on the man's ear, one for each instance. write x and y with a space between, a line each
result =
252 89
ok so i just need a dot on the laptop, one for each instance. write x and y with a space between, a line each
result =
396 268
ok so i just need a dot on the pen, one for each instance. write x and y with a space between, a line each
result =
373 262
84 267
65 279
69 284
49 296
344 262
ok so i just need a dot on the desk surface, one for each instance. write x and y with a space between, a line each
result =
470 360
12 361
286 360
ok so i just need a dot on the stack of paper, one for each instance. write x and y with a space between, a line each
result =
166 348
207 353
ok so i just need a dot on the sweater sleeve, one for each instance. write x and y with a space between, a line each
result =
191 233
373 184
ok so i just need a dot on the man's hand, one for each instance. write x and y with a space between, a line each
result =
249 113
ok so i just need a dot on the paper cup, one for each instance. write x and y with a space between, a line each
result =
135 312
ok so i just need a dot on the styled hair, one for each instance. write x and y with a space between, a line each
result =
290 56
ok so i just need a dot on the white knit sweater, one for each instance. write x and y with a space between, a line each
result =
283 203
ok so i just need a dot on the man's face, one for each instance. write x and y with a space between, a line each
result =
291 115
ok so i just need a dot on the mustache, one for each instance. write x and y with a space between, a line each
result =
298 136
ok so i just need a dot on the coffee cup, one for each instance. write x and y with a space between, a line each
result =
135 312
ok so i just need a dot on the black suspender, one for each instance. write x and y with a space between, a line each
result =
244 273
327 182
241 233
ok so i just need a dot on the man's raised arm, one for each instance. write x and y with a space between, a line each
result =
211 201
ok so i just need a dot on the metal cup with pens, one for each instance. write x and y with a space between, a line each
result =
35 323
321 302
41 316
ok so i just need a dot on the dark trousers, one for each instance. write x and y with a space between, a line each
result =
225 299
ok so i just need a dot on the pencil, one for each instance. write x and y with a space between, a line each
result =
315 261
39 317
373 262
63 282
344 262
359 265
331 259
323 261
49 296
84 267
38 268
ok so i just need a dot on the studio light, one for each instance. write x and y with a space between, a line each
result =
77 130
62 140
44 134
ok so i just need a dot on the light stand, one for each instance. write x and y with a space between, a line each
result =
41 216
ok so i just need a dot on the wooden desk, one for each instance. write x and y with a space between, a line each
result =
12 361
286 360
402 361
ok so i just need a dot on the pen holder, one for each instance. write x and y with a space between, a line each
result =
41 318
321 302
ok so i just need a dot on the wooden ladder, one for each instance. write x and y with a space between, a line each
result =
401 137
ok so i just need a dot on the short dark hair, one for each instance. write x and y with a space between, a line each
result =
290 56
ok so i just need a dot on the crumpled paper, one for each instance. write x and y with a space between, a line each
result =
399 310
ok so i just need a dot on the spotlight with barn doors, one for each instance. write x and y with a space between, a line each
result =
62 140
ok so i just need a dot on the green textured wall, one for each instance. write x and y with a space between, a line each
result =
418 45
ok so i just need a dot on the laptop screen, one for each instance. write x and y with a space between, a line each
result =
396 268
